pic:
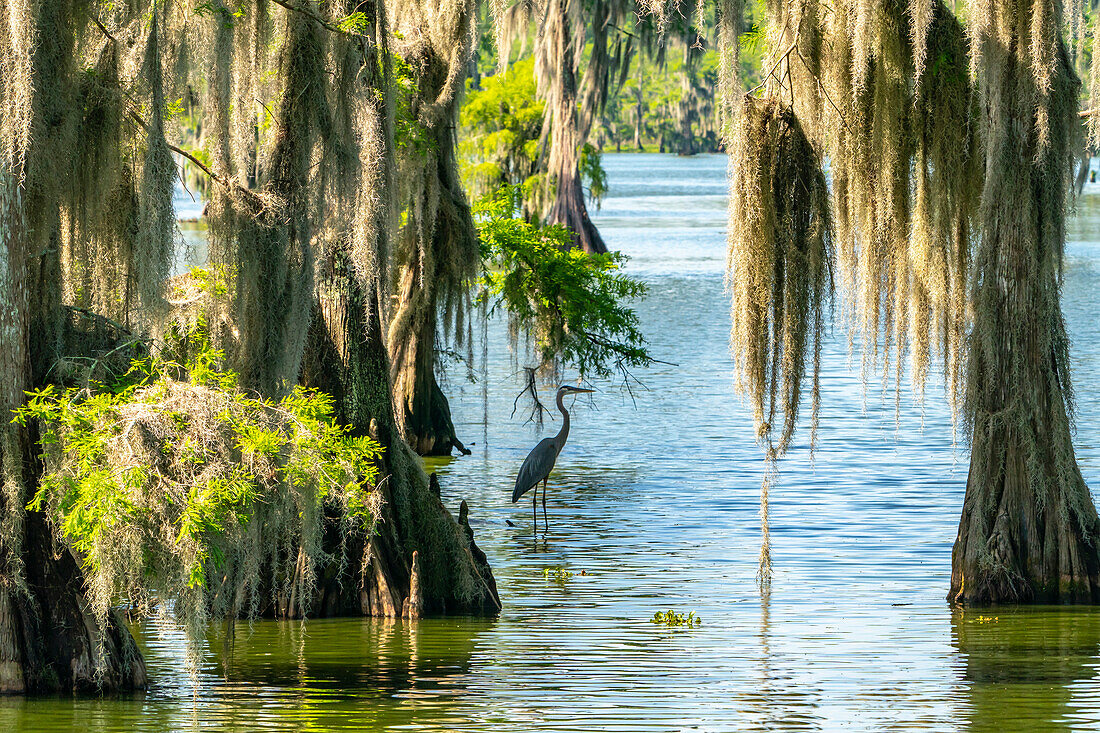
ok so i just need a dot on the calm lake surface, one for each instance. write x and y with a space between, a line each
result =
655 498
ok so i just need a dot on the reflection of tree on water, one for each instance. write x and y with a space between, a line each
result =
1026 669
779 702
354 655
331 675
347 674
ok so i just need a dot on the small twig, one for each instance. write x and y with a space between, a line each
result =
145 125
199 164
627 376
622 30
93 315
620 349
264 105
179 175
786 54
771 71
824 91
537 408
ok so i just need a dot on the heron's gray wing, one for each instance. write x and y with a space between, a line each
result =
536 467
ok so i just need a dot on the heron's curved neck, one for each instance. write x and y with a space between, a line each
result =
564 432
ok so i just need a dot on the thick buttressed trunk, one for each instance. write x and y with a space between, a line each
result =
1029 529
438 253
422 412
416 535
566 125
49 641
570 211
685 144
425 417
1014 544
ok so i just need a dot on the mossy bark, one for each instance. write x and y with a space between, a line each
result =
49 641
437 254
346 356
425 415
1014 544
1029 528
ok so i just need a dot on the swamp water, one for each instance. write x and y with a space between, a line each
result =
655 498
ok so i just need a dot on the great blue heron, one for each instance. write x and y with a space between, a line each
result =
540 461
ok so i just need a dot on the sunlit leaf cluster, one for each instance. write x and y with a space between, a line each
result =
177 480
573 304
501 123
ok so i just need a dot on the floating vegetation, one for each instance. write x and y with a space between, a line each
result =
560 575
673 618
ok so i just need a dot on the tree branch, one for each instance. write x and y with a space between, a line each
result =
771 71
102 28
198 163
319 20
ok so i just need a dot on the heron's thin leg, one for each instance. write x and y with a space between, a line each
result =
546 522
535 511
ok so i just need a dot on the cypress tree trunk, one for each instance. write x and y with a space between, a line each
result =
556 67
418 544
570 210
426 281
638 118
1029 528
685 107
685 143
425 414
438 253
274 248
49 642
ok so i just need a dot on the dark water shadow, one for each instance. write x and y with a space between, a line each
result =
331 674
1029 669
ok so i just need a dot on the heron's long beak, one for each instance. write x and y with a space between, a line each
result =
582 389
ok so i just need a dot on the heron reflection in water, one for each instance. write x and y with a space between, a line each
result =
540 461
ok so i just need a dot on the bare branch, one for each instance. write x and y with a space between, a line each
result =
198 163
